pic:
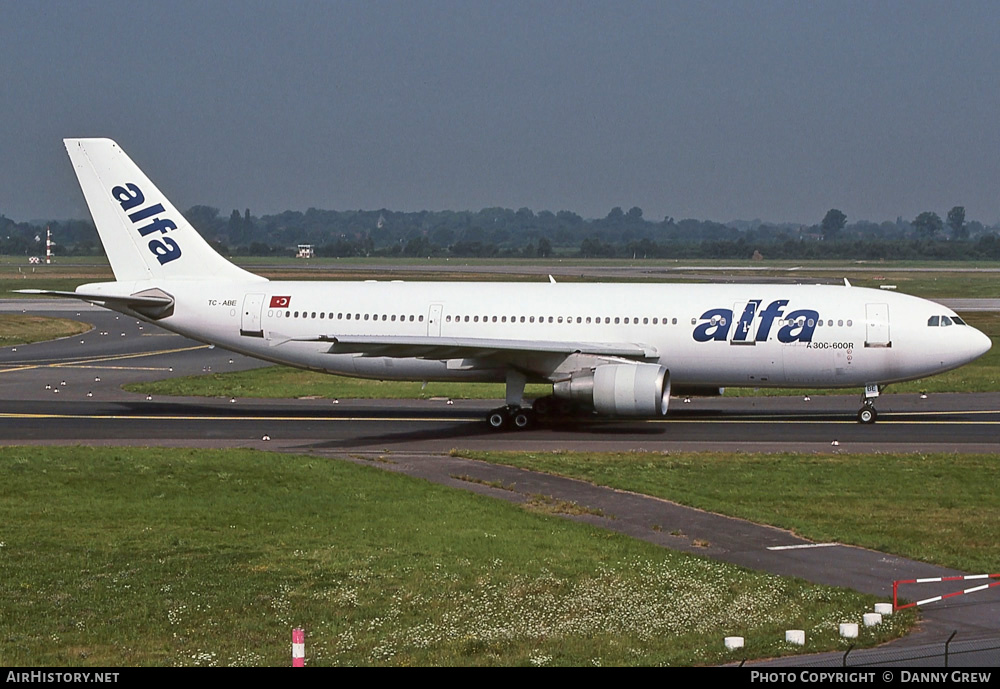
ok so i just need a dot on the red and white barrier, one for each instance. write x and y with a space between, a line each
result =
298 648
895 588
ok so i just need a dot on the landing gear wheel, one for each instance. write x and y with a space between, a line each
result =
522 419
543 406
498 419
867 414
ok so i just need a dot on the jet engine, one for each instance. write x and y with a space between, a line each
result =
619 389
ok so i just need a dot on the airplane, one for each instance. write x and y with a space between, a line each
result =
616 350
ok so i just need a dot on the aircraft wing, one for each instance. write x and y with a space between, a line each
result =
427 347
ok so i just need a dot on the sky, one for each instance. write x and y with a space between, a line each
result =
711 110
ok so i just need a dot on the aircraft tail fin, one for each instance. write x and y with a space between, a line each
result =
144 235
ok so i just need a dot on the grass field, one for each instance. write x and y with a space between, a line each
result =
937 508
22 328
115 557
285 382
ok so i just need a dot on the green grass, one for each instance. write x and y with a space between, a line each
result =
22 328
116 556
937 508
285 382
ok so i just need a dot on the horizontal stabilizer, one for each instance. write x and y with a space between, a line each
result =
151 303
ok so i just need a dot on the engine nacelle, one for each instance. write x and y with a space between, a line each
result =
619 389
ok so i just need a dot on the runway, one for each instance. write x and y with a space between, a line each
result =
69 391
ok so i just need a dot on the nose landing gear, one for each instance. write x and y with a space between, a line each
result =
867 413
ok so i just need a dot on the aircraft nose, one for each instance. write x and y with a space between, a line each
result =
980 344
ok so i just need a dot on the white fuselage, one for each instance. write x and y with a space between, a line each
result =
722 335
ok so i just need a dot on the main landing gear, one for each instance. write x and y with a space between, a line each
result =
867 413
544 410
511 417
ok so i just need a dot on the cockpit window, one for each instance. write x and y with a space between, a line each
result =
942 321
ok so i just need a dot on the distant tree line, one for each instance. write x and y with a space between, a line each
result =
506 233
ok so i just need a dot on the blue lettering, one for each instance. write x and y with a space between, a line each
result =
801 326
165 250
130 196
158 224
717 327
145 213
796 326
746 321
767 317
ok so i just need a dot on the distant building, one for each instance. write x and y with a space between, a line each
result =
306 251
